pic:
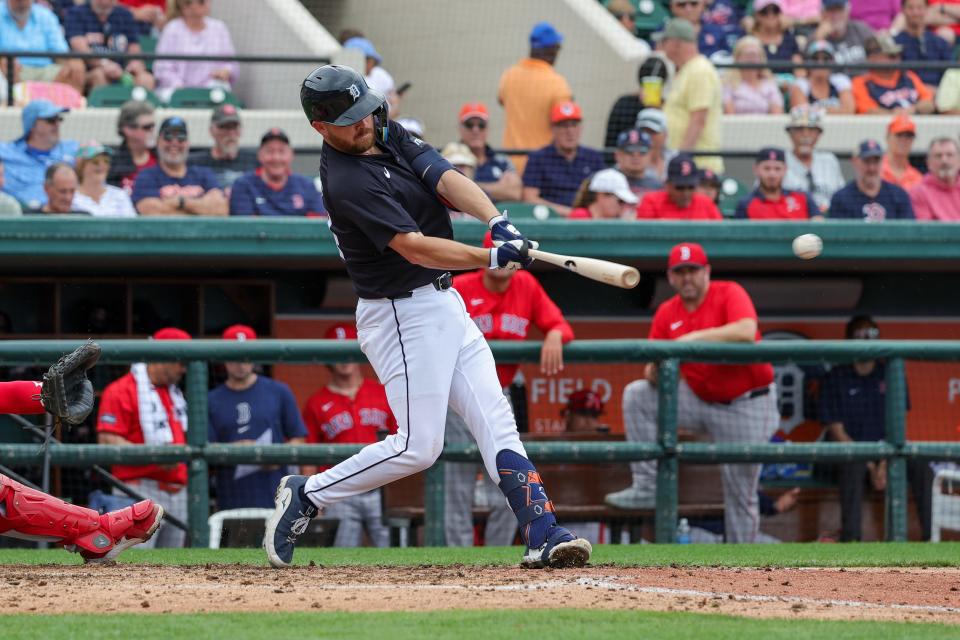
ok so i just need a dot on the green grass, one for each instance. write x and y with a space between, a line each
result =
945 554
554 624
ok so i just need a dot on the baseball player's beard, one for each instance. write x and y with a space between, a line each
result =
362 141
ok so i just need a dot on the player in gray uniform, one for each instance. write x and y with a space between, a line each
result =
387 194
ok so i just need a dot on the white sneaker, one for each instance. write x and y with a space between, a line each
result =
633 498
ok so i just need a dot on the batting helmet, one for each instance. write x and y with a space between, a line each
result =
338 95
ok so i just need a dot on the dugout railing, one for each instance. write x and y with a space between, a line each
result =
199 453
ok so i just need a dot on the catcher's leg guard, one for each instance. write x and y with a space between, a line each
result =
548 544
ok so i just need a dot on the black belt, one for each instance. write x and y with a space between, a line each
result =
443 282
756 393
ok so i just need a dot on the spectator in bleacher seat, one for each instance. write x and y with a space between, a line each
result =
146 407
653 122
9 206
943 17
605 196
804 15
896 168
495 173
274 189
727 15
30 27
710 185
173 187
937 197
770 201
226 158
731 403
876 14
94 195
848 37
623 115
750 91
624 12
60 185
882 91
921 44
554 173
948 93
351 409
27 158
582 412
150 15
632 159
251 408
462 159
375 75
809 170
679 200
709 38
869 197
529 90
772 30
695 104
135 126
191 31
103 27
823 88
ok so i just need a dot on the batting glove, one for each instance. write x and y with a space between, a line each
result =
511 255
502 230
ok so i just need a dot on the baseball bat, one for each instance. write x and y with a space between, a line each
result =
618 275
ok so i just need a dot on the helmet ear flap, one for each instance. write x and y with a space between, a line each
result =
381 121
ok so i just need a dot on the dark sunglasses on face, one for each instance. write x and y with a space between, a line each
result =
621 16
681 4
771 10
53 120
475 124
230 126
147 126
822 57
179 136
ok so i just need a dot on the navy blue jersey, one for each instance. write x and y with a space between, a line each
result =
267 413
859 402
251 196
153 182
558 179
226 171
372 198
930 47
115 35
493 167
891 203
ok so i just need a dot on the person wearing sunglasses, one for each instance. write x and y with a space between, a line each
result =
896 167
94 195
174 187
495 172
770 27
136 126
27 158
848 37
679 200
710 38
824 88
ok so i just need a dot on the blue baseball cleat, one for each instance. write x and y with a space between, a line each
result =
562 549
289 520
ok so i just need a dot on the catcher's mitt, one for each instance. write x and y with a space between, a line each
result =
66 391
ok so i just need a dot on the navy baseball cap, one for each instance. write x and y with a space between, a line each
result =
834 4
682 171
869 149
770 153
274 134
634 140
544 35
175 123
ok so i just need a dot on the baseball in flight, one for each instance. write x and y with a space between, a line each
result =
808 246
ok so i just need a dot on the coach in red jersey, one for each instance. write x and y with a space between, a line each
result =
770 201
504 305
351 409
733 403
679 200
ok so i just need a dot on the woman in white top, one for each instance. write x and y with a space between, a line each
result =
94 195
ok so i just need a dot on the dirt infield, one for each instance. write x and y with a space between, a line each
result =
930 595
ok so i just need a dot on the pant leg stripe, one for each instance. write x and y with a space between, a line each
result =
406 443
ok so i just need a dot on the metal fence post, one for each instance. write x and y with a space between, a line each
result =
434 487
668 466
198 481
896 429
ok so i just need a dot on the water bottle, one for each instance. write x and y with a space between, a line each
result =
683 531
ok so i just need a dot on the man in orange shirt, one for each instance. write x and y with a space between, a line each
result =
890 90
679 200
529 89
896 168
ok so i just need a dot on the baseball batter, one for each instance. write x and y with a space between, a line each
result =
387 194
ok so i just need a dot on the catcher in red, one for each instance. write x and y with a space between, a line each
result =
28 514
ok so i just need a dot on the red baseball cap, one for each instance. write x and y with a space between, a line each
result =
687 254
902 123
171 333
239 332
584 401
567 110
341 332
474 110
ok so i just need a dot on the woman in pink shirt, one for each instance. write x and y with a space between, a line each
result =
191 31
751 90
876 13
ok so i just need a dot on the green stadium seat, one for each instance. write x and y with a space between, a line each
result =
526 211
148 44
649 16
202 98
731 193
114 95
